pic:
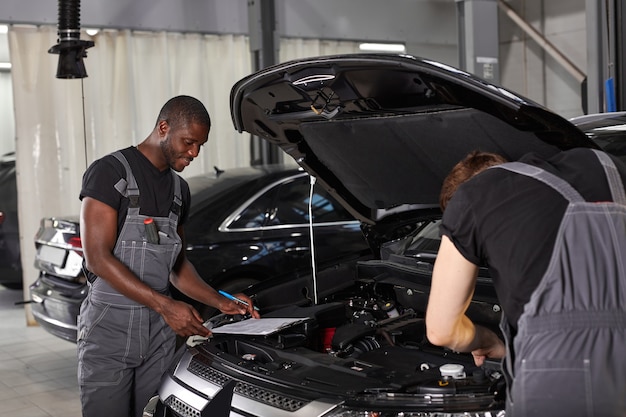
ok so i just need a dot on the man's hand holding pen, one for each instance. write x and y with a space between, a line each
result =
239 304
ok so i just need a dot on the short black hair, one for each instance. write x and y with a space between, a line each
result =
181 110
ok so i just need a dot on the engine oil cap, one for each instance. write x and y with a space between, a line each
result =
452 370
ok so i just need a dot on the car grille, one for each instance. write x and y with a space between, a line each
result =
256 393
180 408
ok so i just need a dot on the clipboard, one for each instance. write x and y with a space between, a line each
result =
258 327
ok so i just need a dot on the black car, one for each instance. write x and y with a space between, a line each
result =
10 259
380 133
607 130
245 226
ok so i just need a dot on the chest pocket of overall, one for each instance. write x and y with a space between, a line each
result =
151 262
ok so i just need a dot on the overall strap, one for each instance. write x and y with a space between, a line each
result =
128 188
559 184
612 176
178 199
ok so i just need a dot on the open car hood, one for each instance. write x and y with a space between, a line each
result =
381 132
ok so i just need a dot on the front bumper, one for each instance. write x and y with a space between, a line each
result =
194 394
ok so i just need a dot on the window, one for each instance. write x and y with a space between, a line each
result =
292 205
256 214
288 204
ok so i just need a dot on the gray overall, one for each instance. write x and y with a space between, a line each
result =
569 355
124 347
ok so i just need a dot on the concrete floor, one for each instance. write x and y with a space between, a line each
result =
37 370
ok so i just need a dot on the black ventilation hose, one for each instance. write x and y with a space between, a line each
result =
69 20
71 49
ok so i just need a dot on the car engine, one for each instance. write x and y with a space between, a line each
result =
364 344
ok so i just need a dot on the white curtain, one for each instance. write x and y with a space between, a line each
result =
131 75
294 48
47 115
7 117
63 125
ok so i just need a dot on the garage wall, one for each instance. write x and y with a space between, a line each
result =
208 16
7 138
413 21
527 69
428 27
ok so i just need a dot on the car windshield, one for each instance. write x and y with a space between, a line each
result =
427 240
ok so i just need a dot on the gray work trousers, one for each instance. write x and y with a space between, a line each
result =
123 354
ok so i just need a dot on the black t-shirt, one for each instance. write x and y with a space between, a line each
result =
509 221
156 187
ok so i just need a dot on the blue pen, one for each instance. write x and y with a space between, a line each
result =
232 297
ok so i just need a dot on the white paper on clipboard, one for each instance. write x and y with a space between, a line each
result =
257 327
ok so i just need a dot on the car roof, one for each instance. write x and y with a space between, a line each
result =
206 185
608 130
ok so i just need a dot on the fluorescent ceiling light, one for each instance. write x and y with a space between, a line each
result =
382 47
5 65
92 31
4 29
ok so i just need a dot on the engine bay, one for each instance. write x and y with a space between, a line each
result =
365 341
